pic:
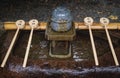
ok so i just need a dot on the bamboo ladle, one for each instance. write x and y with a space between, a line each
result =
88 22
33 24
20 25
105 21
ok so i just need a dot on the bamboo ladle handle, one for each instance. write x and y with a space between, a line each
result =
105 22
20 24
33 24
88 22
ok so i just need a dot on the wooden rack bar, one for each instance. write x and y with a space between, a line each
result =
78 25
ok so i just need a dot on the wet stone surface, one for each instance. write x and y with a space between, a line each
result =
42 9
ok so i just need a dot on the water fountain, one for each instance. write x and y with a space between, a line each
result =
60 31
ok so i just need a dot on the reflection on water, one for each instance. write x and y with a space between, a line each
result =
80 64
81 47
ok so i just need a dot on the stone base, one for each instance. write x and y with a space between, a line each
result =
50 34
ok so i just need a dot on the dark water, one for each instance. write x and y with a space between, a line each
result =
41 65
40 46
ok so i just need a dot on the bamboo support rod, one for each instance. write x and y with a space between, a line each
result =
10 48
28 48
78 25
111 47
93 46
